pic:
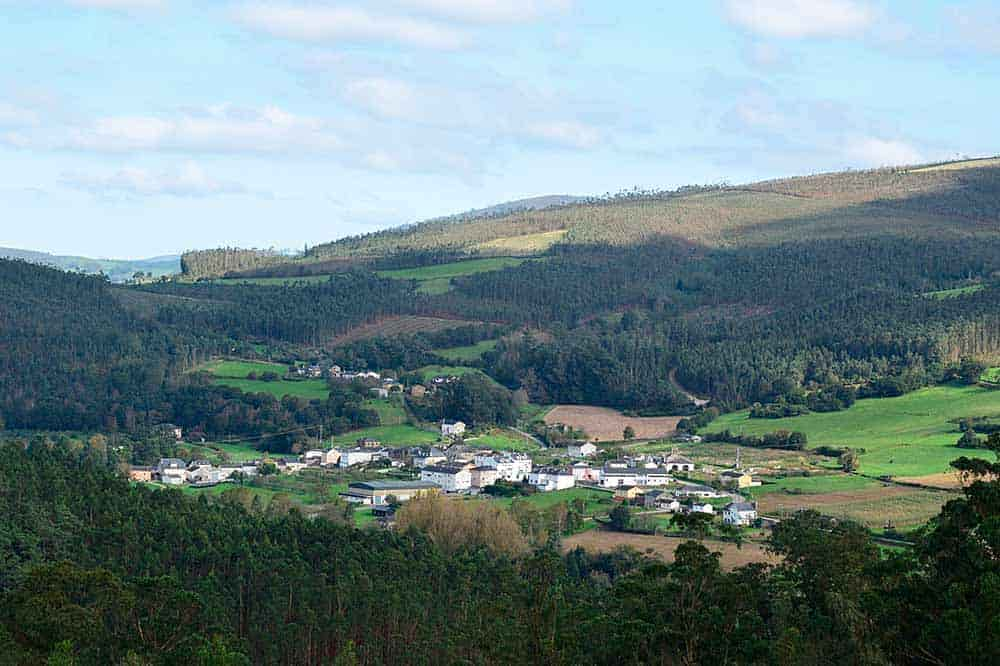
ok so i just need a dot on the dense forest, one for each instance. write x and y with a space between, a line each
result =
98 571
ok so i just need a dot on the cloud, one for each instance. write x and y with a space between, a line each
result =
219 129
977 26
876 152
118 4
386 98
16 116
316 23
190 180
568 134
802 18
490 11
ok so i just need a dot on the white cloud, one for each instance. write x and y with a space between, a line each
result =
490 11
220 129
569 134
876 152
802 18
333 24
190 180
118 4
386 98
977 26
16 116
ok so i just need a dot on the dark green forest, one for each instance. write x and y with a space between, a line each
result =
98 571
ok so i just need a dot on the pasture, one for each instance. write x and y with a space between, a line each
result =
906 436
607 425
389 435
453 269
468 353
952 293
502 440
309 389
528 243
872 506
239 369
991 376
429 372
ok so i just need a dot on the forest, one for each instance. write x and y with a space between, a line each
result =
98 571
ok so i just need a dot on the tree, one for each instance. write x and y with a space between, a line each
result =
849 460
621 517
628 433
968 440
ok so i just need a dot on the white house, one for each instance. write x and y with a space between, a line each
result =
740 514
452 428
702 507
449 478
696 490
514 467
581 450
547 479
314 455
678 463
616 475
582 471
655 476
356 456
172 471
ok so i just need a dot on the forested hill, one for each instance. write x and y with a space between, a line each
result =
954 198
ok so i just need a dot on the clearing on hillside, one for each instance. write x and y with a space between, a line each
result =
911 435
603 541
397 326
528 243
607 425
872 507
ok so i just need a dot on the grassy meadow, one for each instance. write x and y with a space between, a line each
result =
991 376
502 440
905 436
437 279
389 435
467 353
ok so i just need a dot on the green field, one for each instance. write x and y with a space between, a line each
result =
502 440
237 451
597 501
957 291
393 435
429 372
469 353
389 413
240 369
310 389
991 376
905 436
814 485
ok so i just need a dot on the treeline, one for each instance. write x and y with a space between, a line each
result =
219 262
97 571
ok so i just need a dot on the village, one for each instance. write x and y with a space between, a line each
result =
655 483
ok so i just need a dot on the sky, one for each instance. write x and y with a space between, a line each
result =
134 128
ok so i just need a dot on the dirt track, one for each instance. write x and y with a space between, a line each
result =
607 425
664 547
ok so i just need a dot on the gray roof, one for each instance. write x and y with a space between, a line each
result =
391 485
740 506
444 469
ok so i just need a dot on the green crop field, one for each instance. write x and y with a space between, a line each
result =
310 389
502 440
389 413
815 485
469 353
905 436
240 369
597 501
393 435
957 291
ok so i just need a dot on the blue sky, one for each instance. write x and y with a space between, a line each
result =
134 128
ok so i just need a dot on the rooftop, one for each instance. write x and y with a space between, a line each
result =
391 485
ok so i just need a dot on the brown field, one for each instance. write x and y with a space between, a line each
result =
664 547
395 326
606 425
872 507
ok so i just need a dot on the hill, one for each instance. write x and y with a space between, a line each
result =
117 270
957 198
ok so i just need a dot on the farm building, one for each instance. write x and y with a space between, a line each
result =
675 462
581 450
452 428
140 473
376 493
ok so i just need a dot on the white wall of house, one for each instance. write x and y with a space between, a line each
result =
450 482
